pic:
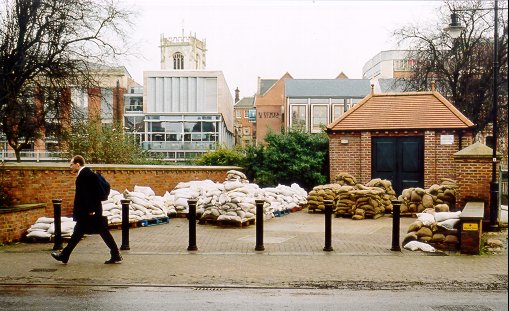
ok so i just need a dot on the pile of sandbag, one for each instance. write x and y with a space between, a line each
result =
345 202
144 205
344 179
317 195
233 201
350 198
416 200
368 202
437 228
389 194
44 228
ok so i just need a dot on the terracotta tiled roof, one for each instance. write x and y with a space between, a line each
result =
416 110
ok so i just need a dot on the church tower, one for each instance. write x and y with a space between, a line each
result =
183 53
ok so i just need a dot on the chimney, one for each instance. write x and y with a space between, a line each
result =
372 89
237 94
433 88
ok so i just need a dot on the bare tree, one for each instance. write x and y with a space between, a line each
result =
48 47
462 67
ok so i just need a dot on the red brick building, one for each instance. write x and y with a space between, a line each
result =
408 138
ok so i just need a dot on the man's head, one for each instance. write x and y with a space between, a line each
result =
76 162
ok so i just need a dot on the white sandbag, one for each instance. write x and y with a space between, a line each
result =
416 245
237 173
441 216
448 224
426 219
46 220
40 226
38 234
230 185
129 194
144 189
108 206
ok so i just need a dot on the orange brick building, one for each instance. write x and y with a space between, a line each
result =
408 138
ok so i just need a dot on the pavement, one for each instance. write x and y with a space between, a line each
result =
293 258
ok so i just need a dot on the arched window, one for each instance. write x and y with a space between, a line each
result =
178 61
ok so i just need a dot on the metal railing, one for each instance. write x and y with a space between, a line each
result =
32 156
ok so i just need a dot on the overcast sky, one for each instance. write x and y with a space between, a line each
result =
247 39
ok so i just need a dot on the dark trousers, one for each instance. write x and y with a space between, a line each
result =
80 229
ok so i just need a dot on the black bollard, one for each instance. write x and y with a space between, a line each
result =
125 224
192 225
396 208
57 215
259 225
328 226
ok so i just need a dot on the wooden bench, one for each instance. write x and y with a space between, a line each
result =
471 228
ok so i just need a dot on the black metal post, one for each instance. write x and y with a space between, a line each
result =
494 114
192 225
259 225
328 226
396 213
125 224
57 216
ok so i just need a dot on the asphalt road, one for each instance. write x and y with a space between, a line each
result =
38 297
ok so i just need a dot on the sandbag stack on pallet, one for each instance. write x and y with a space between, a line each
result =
368 202
233 201
438 229
441 197
316 197
346 201
337 191
43 230
144 205
389 194
351 199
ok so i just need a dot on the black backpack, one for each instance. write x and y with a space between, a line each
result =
104 187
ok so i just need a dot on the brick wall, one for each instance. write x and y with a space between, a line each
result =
346 156
474 178
40 183
15 222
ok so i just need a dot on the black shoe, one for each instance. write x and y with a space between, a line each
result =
60 257
114 259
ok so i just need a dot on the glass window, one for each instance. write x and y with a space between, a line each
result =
298 117
155 127
173 127
208 126
337 111
107 105
319 117
134 104
178 61
134 123
238 114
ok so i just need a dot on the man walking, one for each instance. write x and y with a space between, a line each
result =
87 212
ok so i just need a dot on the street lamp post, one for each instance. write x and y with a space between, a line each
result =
454 31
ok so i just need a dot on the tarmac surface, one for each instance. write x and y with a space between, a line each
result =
293 258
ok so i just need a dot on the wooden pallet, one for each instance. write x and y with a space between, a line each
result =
154 221
118 225
226 223
280 213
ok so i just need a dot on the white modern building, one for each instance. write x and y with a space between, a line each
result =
182 110
391 64
186 112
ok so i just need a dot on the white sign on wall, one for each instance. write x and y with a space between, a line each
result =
446 139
